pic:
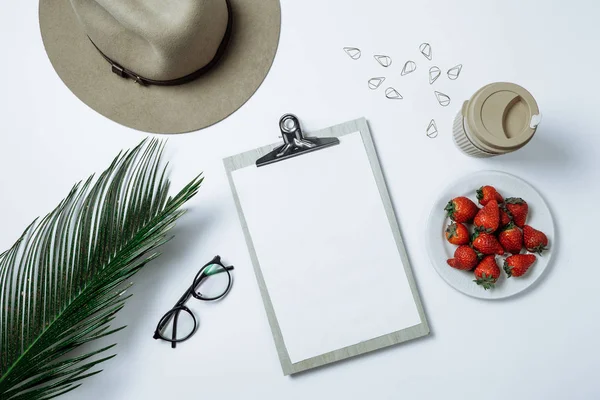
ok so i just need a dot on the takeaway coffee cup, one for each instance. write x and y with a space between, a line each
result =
499 118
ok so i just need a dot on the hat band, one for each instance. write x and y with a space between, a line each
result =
126 73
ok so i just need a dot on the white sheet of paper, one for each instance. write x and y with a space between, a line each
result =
326 249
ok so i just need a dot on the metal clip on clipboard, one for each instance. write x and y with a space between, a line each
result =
294 142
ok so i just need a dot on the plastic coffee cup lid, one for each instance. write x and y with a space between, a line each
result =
501 117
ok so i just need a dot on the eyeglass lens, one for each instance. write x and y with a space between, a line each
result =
179 320
213 282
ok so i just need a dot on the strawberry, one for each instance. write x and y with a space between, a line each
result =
488 218
518 264
465 258
457 234
505 217
518 209
487 193
487 272
487 244
461 209
511 238
535 241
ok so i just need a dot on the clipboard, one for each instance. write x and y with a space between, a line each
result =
325 244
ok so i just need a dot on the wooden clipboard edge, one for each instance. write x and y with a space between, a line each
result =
248 158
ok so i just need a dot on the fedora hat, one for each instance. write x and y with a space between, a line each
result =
162 66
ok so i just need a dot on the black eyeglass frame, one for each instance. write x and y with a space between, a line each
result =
180 306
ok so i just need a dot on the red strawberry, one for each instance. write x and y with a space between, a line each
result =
488 218
461 209
465 258
457 234
511 238
518 209
487 193
487 272
505 218
518 264
487 244
535 241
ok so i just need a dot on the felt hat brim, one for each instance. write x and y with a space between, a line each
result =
165 109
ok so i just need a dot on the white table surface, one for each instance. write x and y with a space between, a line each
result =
541 344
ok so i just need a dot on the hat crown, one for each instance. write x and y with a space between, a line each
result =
157 39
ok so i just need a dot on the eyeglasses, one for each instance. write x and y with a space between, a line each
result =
212 282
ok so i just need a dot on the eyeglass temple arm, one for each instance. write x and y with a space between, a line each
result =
174 333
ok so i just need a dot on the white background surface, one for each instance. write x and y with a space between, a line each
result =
326 249
542 344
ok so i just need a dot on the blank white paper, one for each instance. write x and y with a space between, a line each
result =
326 249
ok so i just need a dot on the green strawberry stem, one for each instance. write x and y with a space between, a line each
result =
450 209
514 200
483 229
508 269
451 231
486 281
511 225
538 249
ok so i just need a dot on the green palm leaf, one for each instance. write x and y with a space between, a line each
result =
63 281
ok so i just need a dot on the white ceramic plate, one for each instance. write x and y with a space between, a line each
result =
440 250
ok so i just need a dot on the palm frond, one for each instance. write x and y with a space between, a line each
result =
63 281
